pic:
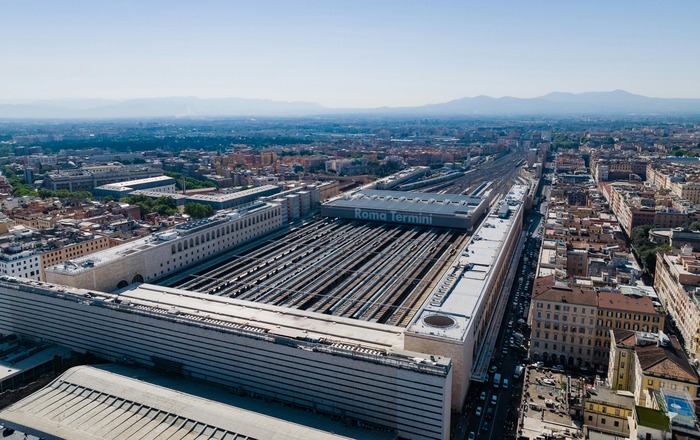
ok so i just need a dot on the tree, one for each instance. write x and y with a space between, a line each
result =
163 205
695 226
644 248
198 210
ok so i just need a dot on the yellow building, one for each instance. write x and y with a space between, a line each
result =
73 251
608 410
646 362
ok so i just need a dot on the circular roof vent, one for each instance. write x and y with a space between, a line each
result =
440 321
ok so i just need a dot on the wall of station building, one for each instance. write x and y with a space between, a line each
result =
412 402
407 217
465 351
171 255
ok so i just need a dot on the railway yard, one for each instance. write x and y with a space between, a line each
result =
363 270
368 271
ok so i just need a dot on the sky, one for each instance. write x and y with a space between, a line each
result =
348 54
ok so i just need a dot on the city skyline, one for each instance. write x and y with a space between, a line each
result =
351 55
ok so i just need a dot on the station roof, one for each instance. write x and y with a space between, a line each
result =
277 320
118 402
235 195
460 292
427 203
353 338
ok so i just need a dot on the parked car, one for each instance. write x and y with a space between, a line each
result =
483 395
478 411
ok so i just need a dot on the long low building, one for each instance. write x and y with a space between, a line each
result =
456 319
119 402
160 184
445 210
158 255
340 366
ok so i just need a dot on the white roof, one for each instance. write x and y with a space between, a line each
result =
464 286
116 402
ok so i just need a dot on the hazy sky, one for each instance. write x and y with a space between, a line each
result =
351 53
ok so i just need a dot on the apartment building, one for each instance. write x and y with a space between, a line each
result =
683 180
635 205
647 362
677 282
563 323
618 311
606 410
570 324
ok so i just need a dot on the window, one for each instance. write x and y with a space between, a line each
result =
590 418
602 421
650 382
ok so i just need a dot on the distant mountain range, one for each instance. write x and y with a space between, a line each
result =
617 102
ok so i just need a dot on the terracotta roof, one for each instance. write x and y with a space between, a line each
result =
575 295
626 303
542 283
667 361
624 337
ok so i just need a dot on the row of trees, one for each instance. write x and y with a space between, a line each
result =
19 188
644 249
165 205
64 194
191 182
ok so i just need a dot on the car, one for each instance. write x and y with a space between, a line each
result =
483 395
538 364
472 436
478 411
505 383
494 399
493 369
485 426
489 412
559 367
